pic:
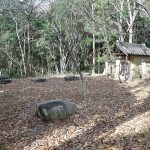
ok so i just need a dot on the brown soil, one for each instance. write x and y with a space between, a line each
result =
114 116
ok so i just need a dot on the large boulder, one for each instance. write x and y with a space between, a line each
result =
55 109
4 79
71 78
39 79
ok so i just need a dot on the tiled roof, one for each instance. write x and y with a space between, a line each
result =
133 49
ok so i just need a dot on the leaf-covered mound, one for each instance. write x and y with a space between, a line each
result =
113 116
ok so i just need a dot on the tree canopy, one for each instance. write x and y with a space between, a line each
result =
59 36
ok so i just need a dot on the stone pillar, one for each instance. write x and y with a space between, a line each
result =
113 69
117 71
132 71
144 70
106 68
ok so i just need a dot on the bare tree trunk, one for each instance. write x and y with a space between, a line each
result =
56 68
20 46
21 73
98 63
130 22
120 33
132 15
121 21
48 64
62 58
131 35
29 50
10 62
93 59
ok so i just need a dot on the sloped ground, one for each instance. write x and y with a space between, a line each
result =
114 116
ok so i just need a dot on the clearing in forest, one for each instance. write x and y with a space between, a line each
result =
113 116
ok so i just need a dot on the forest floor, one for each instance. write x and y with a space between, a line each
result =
114 116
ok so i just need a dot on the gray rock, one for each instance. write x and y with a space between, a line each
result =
78 147
4 79
39 79
71 78
55 109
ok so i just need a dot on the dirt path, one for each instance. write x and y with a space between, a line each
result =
108 119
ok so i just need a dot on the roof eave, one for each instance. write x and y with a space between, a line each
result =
138 55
